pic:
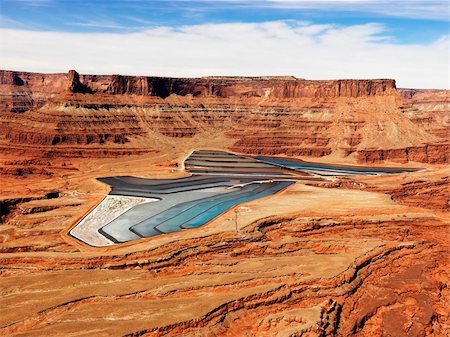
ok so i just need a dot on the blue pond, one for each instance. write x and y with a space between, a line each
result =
196 213
347 170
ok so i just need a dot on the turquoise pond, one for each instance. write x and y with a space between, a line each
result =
196 213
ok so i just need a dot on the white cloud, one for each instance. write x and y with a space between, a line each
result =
270 48
98 24
418 9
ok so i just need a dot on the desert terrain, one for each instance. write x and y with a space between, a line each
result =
342 256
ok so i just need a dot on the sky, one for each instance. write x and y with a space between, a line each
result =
407 40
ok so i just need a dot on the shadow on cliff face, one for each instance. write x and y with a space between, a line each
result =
74 84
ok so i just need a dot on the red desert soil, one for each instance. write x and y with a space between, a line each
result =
359 256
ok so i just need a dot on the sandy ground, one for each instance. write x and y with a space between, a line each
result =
347 257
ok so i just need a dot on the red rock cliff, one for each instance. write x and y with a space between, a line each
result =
242 87
366 119
238 87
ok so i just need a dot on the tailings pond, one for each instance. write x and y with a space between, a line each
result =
138 208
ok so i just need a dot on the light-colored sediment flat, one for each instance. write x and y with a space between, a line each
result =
110 208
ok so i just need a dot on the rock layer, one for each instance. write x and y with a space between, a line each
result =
237 87
365 120
358 256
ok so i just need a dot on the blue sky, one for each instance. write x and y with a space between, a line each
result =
409 21
408 29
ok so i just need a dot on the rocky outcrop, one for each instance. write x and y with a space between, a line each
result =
23 91
333 89
10 78
422 94
429 109
432 194
430 153
49 83
74 85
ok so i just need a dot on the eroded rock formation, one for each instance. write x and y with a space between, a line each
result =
367 120
74 85
355 256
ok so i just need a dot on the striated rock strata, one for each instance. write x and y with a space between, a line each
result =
354 256
111 115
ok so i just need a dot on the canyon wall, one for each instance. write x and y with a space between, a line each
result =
280 88
241 87
109 115
352 256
